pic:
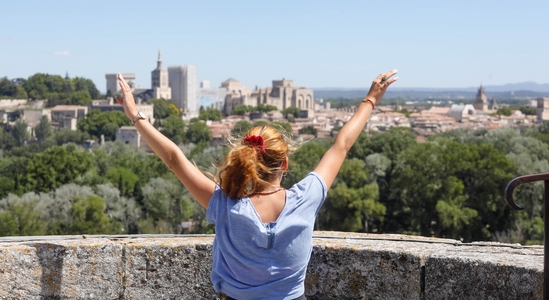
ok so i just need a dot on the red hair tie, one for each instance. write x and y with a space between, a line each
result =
255 141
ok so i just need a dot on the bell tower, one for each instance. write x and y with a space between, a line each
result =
159 81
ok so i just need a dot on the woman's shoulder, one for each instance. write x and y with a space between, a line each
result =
312 184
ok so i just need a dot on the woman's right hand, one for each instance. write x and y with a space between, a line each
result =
380 85
127 102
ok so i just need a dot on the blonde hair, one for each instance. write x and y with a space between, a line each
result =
250 167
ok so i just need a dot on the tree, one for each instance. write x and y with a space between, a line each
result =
198 132
162 108
7 141
123 178
43 130
291 112
506 111
13 171
173 109
351 203
283 127
173 128
80 98
99 123
528 110
86 85
210 114
66 136
427 173
20 133
166 204
12 89
88 216
122 210
265 108
18 216
308 130
242 109
54 167
241 127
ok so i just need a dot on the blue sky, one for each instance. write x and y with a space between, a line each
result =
316 43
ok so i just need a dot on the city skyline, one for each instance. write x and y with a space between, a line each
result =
319 44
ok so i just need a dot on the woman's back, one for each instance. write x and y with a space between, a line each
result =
255 259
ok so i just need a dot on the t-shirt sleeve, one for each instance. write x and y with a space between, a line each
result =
213 206
310 192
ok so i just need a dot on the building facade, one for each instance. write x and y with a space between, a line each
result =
481 102
182 81
543 109
282 94
66 116
211 97
130 136
159 81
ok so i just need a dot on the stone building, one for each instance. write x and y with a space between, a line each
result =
459 112
159 84
236 95
282 94
113 85
182 81
209 97
543 109
481 103
66 116
130 136
493 104
159 81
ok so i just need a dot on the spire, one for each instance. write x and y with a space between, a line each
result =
159 62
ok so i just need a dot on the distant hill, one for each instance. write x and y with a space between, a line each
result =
512 90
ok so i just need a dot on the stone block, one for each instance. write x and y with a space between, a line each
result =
475 272
169 268
59 269
352 268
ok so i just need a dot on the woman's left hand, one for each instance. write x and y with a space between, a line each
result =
127 102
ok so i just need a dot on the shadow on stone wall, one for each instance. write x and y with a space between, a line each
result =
51 258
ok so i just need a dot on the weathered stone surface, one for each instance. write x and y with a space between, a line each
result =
473 272
61 269
172 268
343 266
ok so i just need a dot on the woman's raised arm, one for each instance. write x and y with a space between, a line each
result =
331 162
200 186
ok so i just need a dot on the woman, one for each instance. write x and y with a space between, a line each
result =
263 238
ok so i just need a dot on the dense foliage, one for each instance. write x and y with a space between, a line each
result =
449 186
54 88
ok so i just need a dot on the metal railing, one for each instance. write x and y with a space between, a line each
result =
509 197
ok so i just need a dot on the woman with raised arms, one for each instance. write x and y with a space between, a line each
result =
263 232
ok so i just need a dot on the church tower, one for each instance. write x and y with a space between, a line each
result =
543 109
481 103
159 81
493 104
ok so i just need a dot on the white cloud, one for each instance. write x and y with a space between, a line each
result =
62 53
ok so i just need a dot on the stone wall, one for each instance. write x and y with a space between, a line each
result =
343 266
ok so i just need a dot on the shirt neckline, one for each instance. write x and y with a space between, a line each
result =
279 216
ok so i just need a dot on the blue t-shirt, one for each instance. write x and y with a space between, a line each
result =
256 260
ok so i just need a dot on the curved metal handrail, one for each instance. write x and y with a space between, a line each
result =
518 181
509 197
